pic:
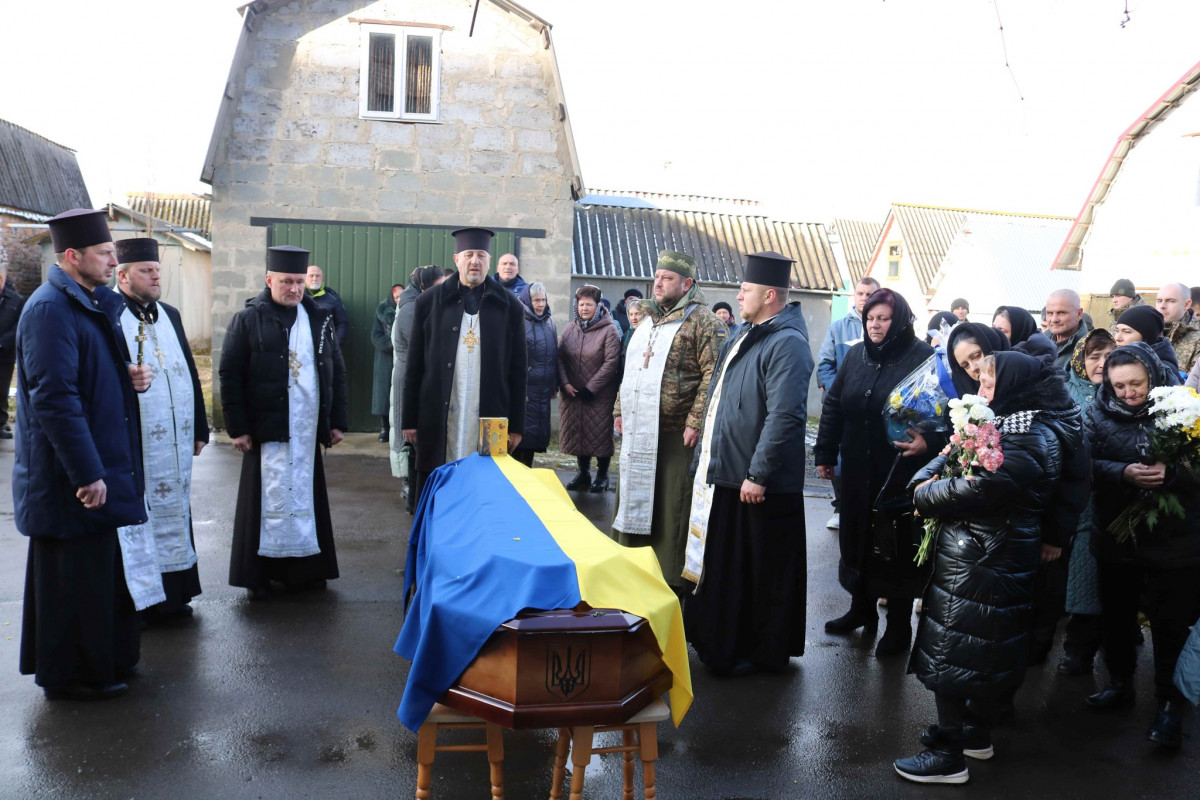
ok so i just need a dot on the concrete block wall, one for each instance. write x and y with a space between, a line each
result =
294 146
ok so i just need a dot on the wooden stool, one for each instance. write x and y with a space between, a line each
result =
443 717
639 734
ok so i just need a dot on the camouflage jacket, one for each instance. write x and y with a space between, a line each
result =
1185 338
689 366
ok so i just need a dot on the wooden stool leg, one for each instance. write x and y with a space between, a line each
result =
627 763
560 763
581 755
495 754
426 747
648 742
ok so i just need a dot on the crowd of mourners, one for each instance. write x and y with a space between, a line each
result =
1047 533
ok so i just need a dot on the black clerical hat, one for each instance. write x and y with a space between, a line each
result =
285 258
472 239
769 268
131 251
79 228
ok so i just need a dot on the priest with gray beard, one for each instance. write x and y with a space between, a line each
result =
161 565
283 392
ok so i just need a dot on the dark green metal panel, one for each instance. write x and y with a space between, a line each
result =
361 262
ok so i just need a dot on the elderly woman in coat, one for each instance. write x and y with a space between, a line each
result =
541 349
875 470
972 642
1082 639
587 373
1156 568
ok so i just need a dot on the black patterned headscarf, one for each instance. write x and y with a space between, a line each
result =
899 336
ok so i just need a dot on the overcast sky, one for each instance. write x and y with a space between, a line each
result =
826 109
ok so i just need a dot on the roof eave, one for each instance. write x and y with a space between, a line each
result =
1069 255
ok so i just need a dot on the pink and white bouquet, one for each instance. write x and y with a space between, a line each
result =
974 445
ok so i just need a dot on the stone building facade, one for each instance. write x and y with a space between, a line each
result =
295 143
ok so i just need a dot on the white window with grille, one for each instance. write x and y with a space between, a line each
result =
400 74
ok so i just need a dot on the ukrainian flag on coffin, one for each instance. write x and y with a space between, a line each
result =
493 537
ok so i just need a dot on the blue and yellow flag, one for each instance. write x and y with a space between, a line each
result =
493 537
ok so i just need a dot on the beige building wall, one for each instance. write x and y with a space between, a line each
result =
293 145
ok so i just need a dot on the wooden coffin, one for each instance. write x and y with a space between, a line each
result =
548 669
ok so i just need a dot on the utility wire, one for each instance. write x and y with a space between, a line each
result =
1004 48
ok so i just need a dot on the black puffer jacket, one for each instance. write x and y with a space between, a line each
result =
973 638
1120 436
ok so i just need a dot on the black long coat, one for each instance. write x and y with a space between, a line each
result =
433 349
254 373
381 340
852 421
541 348
973 637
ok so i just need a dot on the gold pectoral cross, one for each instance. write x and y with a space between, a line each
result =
470 340
294 364
649 352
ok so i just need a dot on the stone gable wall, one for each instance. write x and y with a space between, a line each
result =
294 146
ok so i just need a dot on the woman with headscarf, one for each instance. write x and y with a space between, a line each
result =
1082 638
541 348
875 471
1023 333
421 279
1145 324
1158 568
968 344
587 372
972 642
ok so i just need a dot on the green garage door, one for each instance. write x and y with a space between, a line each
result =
361 262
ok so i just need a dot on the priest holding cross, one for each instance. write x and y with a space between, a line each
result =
163 576
466 360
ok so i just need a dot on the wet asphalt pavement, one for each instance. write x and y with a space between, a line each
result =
296 697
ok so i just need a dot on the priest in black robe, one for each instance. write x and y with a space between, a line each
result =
746 539
283 393
173 420
466 360
77 476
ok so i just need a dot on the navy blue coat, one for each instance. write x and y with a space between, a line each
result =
541 349
77 414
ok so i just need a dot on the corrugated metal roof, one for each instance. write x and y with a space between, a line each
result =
858 242
614 242
1001 260
1070 254
668 200
928 232
37 175
180 210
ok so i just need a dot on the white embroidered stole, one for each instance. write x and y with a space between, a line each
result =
702 491
641 393
462 419
289 525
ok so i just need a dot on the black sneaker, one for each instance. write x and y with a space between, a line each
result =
977 742
933 766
